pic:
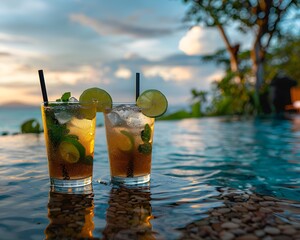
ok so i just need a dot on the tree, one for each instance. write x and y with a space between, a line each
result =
285 57
260 17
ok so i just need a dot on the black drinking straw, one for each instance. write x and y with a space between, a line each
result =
137 85
43 87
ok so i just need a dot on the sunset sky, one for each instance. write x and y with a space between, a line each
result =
85 43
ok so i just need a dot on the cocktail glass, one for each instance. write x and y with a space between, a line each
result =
69 129
129 135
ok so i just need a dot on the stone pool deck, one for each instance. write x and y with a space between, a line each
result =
248 216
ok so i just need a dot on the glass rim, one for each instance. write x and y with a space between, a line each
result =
65 104
117 104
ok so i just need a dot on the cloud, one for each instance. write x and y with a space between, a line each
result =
4 54
176 73
111 27
123 72
10 38
199 41
175 80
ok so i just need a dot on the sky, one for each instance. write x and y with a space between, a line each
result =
100 43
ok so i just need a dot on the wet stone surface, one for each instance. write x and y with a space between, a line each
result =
70 215
129 215
247 216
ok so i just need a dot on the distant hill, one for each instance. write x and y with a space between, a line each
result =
16 104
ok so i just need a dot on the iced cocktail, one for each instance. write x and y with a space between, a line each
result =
69 129
129 135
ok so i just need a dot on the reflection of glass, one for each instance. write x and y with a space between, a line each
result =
128 215
129 135
70 215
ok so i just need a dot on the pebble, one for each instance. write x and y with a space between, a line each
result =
247 237
239 209
236 220
265 210
267 203
229 225
271 230
226 235
217 227
268 238
289 231
282 237
247 217
224 210
238 231
259 233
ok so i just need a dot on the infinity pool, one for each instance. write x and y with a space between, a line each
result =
192 160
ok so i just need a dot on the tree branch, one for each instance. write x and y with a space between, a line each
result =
278 19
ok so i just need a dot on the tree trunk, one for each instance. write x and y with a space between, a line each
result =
233 52
257 63
257 56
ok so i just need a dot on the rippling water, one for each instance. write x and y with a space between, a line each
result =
191 159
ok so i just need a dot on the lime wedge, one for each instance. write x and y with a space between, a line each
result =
125 141
71 150
96 95
153 103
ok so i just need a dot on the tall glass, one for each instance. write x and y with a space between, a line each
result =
69 130
129 135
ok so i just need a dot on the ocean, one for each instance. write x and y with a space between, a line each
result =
11 118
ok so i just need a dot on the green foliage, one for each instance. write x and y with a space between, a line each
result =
198 99
285 57
65 97
263 19
220 57
30 126
245 13
181 114
231 97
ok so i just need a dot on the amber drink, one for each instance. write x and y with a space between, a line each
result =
69 130
129 135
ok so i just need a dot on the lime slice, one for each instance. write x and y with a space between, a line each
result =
96 95
153 103
125 141
88 112
71 150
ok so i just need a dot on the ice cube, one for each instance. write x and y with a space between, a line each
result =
115 119
73 99
138 120
63 116
124 111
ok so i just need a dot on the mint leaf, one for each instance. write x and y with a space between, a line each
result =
30 126
56 131
146 133
65 97
145 148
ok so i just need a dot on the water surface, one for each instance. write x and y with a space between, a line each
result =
191 160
